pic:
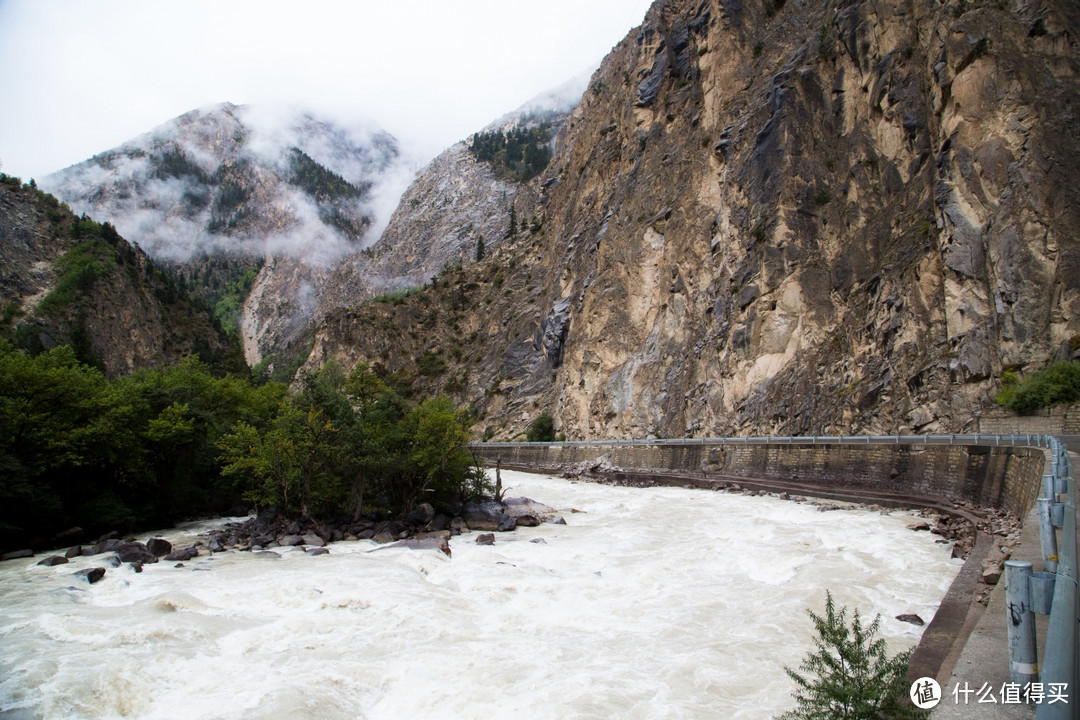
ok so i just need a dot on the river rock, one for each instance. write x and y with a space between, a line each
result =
135 552
182 554
92 575
485 516
54 560
421 515
911 618
74 551
317 551
160 547
313 540
527 520
420 544
458 526
290 540
216 544
16 554
106 545
485 539
919 526
507 525
519 507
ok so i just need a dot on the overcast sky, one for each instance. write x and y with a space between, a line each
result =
81 76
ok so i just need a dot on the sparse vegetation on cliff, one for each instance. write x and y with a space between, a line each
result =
518 155
1058 383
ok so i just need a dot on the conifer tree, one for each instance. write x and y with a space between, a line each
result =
849 676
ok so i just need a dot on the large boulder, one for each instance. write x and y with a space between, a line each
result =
484 516
420 515
160 547
135 552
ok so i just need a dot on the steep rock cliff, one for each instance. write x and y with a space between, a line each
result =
770 217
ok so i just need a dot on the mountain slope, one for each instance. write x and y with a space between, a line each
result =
769 218
70 280
223 190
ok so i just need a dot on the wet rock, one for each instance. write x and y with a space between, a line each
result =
183 554
422 544
16 554
539 541
507 525
91 575
919 526
160 547
421 515
317 551
135 552
216 544
528 520
911 618
74 551
54 560
485 539
458 526
113 561
106 545
484 516
312 539
290 540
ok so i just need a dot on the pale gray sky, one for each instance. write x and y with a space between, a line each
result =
81 76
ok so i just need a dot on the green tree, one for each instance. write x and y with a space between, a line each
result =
287 465
541 429
438 453
848 675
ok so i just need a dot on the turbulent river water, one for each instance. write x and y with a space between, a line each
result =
648 603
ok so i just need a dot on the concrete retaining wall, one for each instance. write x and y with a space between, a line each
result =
1004 477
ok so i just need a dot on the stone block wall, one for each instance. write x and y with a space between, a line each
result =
1056 420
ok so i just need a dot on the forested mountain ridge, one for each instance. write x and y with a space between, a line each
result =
765 217
69 280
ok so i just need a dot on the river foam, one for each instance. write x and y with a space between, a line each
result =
648 603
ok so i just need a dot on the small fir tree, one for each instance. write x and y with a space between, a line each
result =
848 675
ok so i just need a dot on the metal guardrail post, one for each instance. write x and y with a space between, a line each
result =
1047 535
1023 661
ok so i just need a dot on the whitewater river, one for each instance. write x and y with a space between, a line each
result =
648 603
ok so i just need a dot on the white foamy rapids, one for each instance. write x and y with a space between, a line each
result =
649 603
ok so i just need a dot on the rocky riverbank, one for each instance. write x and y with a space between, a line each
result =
423 528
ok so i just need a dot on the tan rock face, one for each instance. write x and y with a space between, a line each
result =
815 219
